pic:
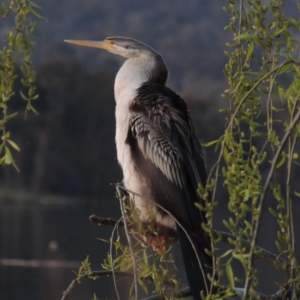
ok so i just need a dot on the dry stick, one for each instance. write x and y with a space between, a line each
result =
263 196
178 223
118 187
105 221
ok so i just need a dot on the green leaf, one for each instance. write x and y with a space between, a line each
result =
10 116
103 240
273 212
229 274
1 147
282 160
226 253
244 36
142 285
284 68
36 14
95 297
294 87
13 144
250 51
23 96
225 153
145 257
30 107
278 245
210 143
9 158
35 5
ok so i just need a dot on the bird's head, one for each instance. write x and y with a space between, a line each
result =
126 47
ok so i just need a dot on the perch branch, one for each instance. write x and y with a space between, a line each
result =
262 253
105 221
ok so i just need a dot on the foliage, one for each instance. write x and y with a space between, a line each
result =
18 43
262 129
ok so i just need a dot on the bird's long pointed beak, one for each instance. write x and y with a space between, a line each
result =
95 44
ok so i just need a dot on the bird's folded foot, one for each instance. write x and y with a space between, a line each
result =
158 243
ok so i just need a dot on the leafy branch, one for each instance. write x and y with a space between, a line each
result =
18 44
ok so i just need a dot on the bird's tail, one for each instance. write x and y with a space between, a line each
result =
196 275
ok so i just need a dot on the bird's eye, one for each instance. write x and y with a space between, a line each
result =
126 46
112 42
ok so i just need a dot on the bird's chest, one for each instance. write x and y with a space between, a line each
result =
133 180
122 126
126 84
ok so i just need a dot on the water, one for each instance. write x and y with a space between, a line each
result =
50 237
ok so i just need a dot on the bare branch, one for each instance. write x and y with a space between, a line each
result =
105 221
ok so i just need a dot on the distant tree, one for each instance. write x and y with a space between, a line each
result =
77 121
258 156
17 50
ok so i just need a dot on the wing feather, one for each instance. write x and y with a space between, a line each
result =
164 135
157 149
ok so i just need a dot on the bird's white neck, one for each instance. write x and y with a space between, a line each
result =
133 73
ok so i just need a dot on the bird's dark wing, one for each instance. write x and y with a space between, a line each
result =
159 150
167 151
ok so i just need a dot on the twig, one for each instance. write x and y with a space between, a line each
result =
105 221
111 258
184 292
94 274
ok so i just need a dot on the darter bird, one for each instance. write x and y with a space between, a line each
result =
160 154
